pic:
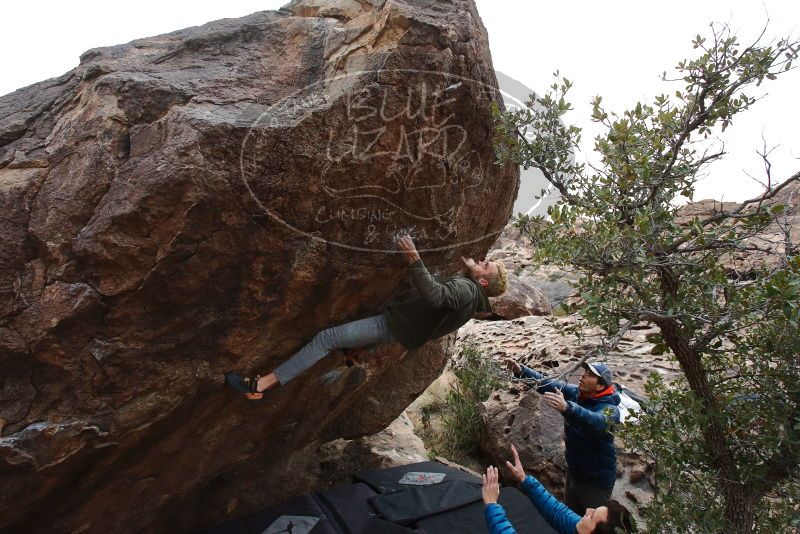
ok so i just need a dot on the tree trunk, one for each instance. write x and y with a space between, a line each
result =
739 509
739 502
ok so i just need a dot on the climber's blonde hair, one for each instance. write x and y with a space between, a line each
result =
499 282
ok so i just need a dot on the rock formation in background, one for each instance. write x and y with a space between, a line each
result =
767 247
555 283
207 200
515 414
522 298
535 288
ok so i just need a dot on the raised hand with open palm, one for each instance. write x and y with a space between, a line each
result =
517 473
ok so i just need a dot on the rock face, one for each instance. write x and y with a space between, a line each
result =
770 245
208 199
516 417
535 341
316 466
522 298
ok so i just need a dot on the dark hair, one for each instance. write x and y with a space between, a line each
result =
618 518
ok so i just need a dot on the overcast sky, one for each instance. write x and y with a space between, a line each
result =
616 49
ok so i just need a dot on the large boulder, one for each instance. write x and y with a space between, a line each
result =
517 417
315 466
208 199
522 298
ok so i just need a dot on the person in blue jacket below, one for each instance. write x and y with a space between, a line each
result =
590 409
602 520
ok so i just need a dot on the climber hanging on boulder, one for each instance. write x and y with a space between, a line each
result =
431 309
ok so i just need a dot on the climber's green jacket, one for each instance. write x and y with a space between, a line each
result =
433 308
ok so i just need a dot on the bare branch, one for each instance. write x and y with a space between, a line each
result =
737 213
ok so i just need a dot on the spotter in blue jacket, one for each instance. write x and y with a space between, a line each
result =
557 515
590 452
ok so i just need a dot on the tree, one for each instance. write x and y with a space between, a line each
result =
725 437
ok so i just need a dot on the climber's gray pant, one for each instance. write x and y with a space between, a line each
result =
372 331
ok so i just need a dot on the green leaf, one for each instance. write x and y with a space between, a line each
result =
659 349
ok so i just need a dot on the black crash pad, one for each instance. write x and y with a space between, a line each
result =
471 520
300 515
380 526
408 506
349 506
388 480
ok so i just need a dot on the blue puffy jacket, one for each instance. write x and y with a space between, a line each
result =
557 515
590 453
